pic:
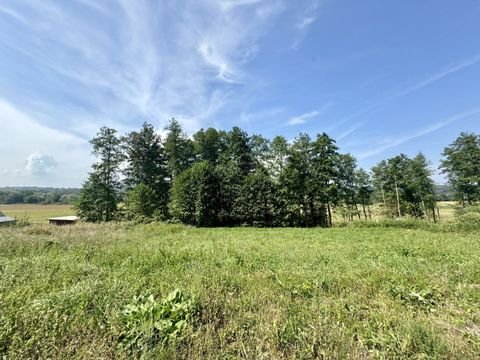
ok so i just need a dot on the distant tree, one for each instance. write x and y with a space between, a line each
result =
147 166
461 164
178 149
100 193
406 186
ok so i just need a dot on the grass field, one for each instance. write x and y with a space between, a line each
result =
339 293
37 214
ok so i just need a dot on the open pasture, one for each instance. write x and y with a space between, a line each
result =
37 214
101 291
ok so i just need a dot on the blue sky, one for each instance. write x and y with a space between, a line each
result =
382 77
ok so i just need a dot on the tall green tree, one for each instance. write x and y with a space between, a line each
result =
346 183
100 193
195 195
239 151
147 166
279 149
406 186
379 180
209 145
260 150
461 164
422 185
178 149
327 175
256 204
296 183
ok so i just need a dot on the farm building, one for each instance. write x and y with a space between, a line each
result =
6 220
64 220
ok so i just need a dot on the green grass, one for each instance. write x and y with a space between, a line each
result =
383 293
37 214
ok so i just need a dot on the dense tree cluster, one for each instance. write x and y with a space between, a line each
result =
228 178
42 196
461 164
406 187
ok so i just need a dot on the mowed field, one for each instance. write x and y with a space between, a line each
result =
341 293
37 214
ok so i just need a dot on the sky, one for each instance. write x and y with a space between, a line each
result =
381 77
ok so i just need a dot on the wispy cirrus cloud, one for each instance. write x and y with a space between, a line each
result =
448 70
409 89
136 67
304 118
388 143
306 19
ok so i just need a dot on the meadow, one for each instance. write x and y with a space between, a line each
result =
36 214
171 291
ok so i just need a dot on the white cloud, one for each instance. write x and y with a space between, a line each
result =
302 119
24 138
39 164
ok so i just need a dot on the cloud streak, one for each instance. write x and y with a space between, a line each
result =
392 143
447 71
307 18
302 119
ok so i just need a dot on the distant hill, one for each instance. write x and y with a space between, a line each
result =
444 193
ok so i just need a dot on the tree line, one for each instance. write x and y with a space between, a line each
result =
42 196
230 178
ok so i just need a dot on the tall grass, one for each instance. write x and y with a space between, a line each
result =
382 292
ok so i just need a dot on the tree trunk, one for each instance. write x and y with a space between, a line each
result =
358 212
398 199
329 215
383 196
